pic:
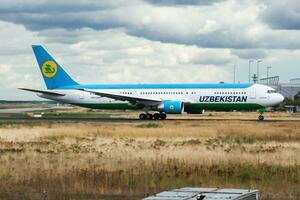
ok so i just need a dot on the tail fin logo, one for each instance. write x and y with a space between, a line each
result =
49 68
172 107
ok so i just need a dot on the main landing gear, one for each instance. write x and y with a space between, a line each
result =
149 116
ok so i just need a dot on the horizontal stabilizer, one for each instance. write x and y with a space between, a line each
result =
43 92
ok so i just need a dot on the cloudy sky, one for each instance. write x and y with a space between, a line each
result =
148 41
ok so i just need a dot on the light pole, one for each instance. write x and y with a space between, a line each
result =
268 68
258 61
234 72
250 61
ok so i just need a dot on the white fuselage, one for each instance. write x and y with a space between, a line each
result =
257 94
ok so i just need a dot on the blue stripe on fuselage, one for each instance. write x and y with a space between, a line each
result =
159 86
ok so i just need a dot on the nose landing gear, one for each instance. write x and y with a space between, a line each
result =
261 116
156 116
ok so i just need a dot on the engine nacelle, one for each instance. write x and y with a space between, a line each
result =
171 107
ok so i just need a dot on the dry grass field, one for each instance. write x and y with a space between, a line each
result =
96 160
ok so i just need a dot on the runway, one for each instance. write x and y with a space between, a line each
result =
22 110
61 120
125 120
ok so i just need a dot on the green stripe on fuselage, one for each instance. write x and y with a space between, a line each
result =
223 106
194 106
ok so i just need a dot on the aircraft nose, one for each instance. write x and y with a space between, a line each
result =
281 98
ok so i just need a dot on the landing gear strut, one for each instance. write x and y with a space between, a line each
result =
156 116
162 116
261 116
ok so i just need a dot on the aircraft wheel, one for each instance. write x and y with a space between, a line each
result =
162 116
261 117
149 116
143 116
156 116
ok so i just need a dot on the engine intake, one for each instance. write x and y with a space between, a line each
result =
171 107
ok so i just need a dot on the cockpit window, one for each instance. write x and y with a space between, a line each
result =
272 91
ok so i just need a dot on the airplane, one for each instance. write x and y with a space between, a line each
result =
163 99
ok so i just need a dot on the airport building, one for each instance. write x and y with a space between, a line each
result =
288 90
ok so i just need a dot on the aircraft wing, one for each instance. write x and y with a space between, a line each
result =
43 92
122 97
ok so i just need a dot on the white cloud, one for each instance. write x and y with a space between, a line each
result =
284 14
109 56
250 53
142 41
226 24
